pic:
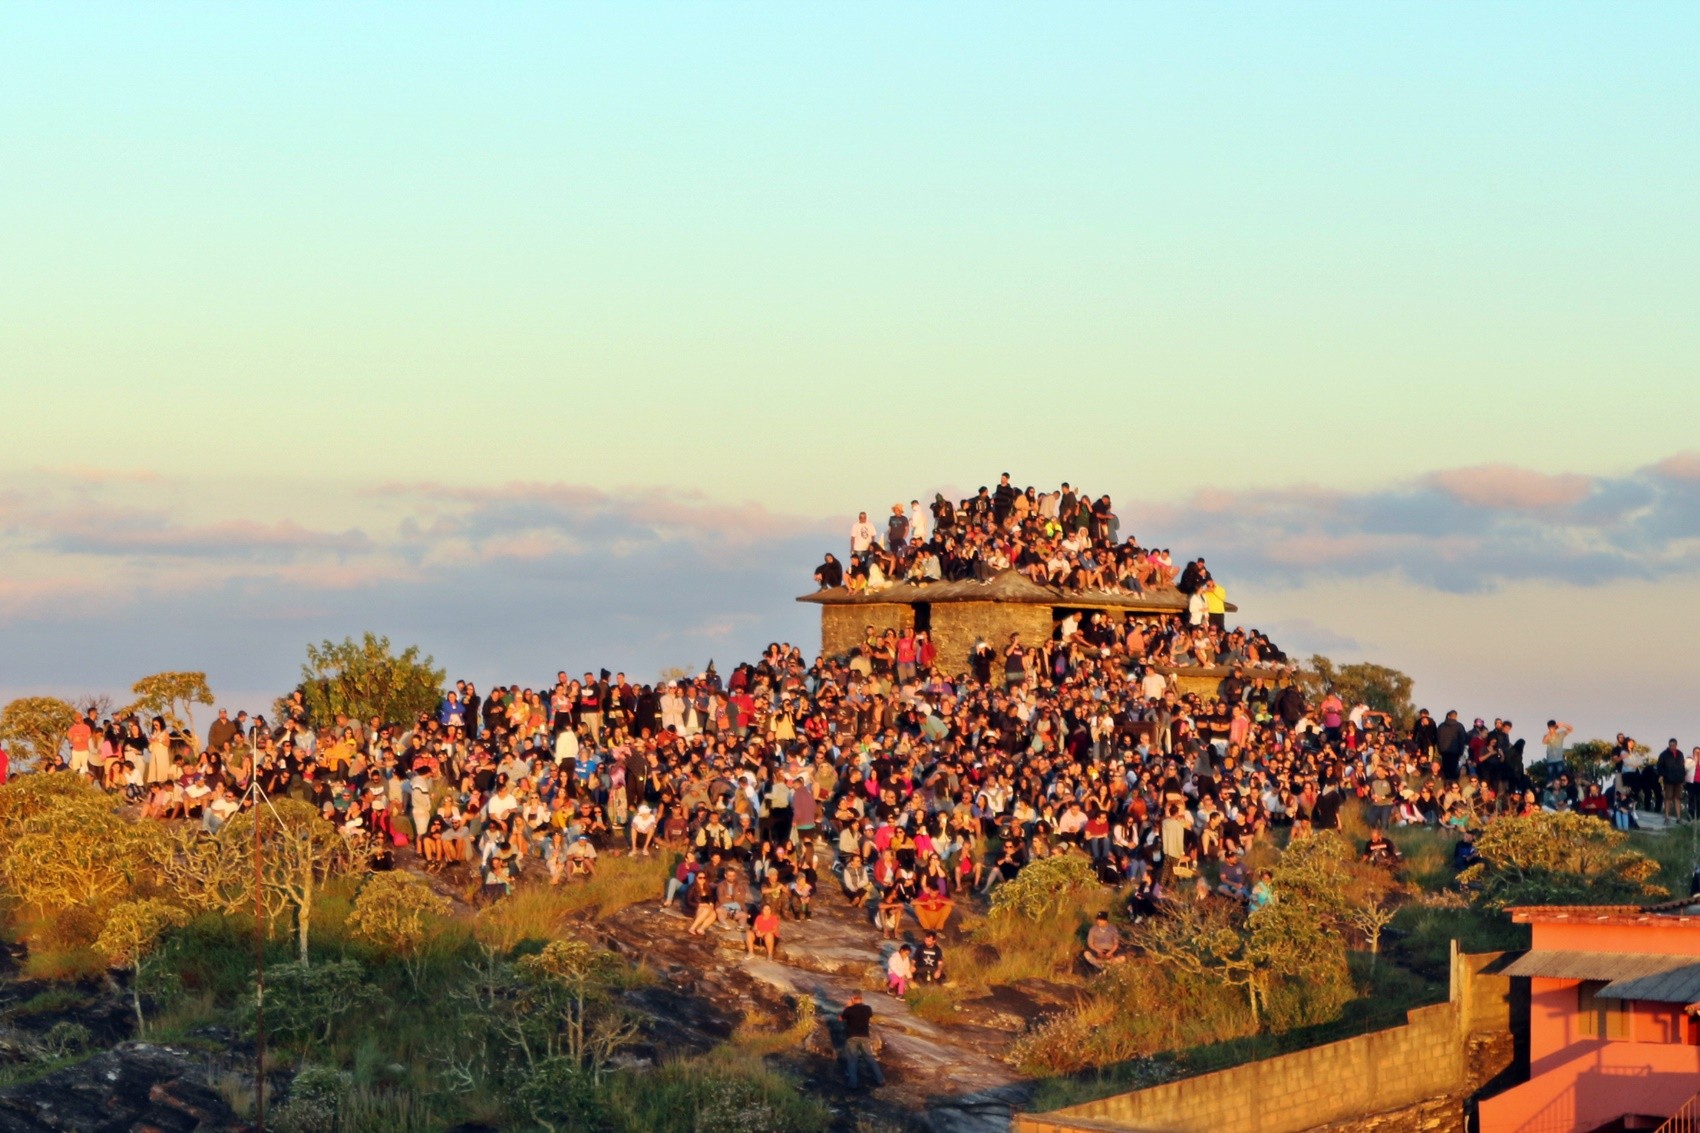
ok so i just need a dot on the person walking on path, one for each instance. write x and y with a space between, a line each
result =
858 1018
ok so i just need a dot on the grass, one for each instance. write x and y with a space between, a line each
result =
1158 1049
52 961
539 911
52 1001
933 1003
724 1091
1427 851
753 1037
1006 948
1677 851
1421 935
1102 1082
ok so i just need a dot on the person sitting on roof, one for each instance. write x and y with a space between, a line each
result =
830 574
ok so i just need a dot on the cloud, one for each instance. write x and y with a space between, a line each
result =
1507 487
107 580
1457 530
1682 466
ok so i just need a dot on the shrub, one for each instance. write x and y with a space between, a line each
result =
1044 887
1559 859
304 1004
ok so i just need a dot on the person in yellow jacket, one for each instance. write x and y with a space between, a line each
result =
1216 604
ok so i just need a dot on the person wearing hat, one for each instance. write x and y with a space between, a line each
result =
643 827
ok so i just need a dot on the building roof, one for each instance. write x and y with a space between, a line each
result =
1681 913
1627 975
1008 586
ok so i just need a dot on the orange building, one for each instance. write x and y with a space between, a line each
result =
1614 1038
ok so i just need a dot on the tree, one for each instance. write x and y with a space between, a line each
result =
1560 858
365 679
397 912
171 695
299 852
1381 688
1589 761
304 1004
208 872
1321 875
1277 944
565 991
64 846
35 727
132 932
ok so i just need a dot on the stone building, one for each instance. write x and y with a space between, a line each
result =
957 615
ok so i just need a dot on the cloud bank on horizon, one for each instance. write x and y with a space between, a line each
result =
512 581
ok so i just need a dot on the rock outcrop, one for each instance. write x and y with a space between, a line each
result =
133 1088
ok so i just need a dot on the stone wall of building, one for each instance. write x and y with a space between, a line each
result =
843 627
956 626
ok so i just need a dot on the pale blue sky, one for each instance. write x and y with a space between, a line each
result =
1362 240
821 257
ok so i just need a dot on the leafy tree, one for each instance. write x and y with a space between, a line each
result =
1558 859
1322 875
208 872
1044 887
566 993
397 912
35 728
299 852
304 1005
362 679
1589 761
552 1014
1383 689
64 846
1275 945
132 932
171 695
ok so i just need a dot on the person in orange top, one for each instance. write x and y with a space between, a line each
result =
765 929
81 735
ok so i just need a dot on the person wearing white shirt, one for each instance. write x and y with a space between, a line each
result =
862 534
918 519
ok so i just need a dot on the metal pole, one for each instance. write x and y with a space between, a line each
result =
259 968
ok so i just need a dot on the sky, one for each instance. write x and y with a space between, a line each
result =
562 335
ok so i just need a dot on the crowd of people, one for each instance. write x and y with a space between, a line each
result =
890 778
1061 538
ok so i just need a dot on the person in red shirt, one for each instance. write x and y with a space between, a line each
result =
81 735
765 929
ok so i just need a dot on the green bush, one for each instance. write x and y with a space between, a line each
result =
1044 887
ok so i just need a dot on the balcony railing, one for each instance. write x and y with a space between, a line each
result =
1684 1120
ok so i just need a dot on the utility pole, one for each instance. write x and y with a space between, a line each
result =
259 961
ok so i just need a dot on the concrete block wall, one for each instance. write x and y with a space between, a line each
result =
1294 1092
1408 1066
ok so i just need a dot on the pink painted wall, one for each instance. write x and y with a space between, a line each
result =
1576 1082
1599 1082
1680 937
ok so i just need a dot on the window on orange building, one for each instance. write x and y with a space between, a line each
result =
1598 1018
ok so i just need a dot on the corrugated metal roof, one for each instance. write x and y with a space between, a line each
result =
1679 985
1627 975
